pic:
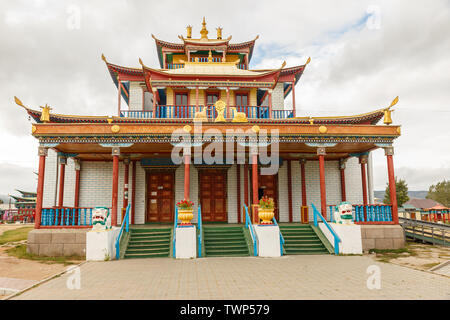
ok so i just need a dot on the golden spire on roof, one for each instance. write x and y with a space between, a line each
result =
219 32
189 32
204 31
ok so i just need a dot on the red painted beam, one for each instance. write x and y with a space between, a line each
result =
392 190
343 192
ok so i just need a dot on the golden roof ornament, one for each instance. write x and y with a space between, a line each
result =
219 32
204 31
220 109
210 59
387 112
45 115
189 32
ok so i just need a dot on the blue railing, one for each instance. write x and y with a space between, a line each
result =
66 217
175 224
336 237
281 236
175 65
126 225
249 225
374 213
188 112
200 230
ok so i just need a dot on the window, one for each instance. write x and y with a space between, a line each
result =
241 99
181 99
211 98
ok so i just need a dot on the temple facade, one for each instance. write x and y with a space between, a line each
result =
207 127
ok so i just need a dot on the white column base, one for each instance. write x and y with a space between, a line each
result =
268 240
101 244
186 242
350 235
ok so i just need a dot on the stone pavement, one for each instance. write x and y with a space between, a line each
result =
288 277
12 285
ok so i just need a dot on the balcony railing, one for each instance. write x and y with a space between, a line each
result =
175 65
66 217
369 214
189 112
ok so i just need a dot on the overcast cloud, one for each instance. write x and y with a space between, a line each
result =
364 53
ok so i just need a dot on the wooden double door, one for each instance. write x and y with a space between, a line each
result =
268 186
213 194
160 196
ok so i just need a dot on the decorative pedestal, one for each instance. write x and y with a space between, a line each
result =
186 242
350 235
100 244
268 240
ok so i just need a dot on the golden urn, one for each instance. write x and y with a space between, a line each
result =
185 215
266 215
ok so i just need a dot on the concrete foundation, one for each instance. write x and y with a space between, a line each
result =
382 237
57 242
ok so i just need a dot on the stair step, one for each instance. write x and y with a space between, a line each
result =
226 247
145 255
150 238
149 245
145 230
148 250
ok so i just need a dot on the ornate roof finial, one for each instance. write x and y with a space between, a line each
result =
219 32
204 31
210 59
45 115
189 32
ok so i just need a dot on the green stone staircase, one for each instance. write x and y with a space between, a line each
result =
225 241
304 239
148 243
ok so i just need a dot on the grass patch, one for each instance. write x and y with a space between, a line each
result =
20 252
15 235
386 255
431 265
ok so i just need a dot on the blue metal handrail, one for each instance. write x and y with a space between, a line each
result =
200 229
336 237
126 224
175 223
249 225
281 236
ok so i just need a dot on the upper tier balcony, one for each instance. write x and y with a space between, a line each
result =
189 112
172 66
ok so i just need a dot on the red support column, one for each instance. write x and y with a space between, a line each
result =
62 174
115 185
238 191
119 91
126 163
342 171
254 155
196 99
133 191
40 187
289 182
363 162
270 104
246 185
76 202
304 208
389 152
187 161
293 97
154 102
323 195
228 103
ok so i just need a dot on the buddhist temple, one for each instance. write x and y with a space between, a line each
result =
207 102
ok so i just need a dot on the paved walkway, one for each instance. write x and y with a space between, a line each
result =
288 277
12 285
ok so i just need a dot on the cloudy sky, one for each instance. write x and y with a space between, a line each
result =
364 53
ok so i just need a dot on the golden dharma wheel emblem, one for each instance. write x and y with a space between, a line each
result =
323 129
115 128
33 129
187 128
255 129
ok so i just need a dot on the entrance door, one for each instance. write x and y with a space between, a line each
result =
213 195
160 196
268 186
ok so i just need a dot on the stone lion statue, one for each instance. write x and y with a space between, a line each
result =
101 218
343 214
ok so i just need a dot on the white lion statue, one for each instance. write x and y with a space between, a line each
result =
101 219
343 214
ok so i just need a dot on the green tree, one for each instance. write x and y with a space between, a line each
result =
440 193
401 189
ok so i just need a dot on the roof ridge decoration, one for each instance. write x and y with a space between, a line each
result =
388 112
